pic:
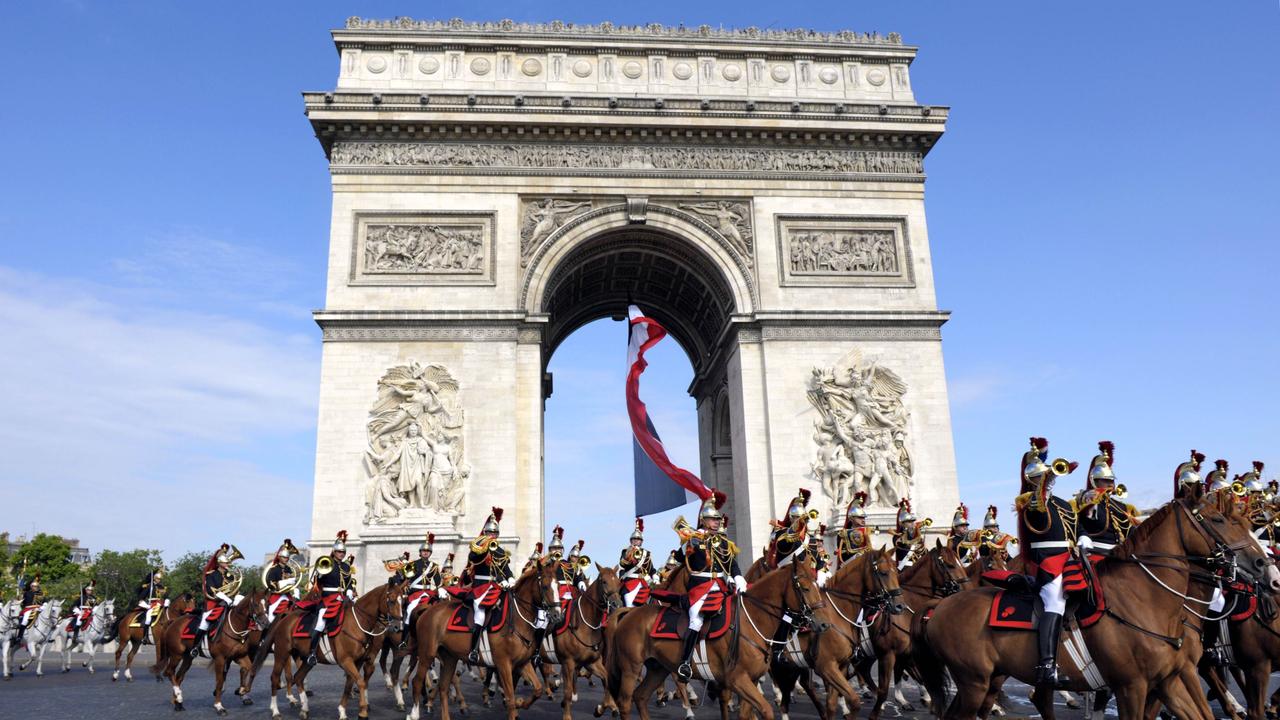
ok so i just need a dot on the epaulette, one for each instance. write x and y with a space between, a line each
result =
484 543
1023 500
733 547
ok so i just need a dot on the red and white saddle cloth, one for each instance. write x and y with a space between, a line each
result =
334 609
85 614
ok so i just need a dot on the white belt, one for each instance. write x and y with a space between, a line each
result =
712 575
330 589
1050 544
1105 546
633 572
483 577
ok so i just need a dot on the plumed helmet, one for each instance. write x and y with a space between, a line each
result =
799 505
989 522
340 544
223 555
711 507
961 518
905 515
35 581
556 546
1100 471
638 532
1253 479
491 522
857 509
426 544
1187 474
672 560
158 572
1218 478
576 550
1033 460
537 551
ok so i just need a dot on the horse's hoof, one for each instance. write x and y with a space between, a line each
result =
1073 704
222 711
310 692
597 711
66 670
246 700
177 707
294 704
400 707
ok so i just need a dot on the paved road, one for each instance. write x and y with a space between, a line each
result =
78 694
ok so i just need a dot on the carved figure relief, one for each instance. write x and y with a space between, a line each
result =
732 219
844 250
861 432
414 459
394 248
544 217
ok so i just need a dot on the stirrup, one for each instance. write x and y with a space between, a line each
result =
1047 674
685 671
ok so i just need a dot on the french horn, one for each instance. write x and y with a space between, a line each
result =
296 571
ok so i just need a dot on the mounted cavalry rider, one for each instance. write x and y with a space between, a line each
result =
148 598
994 541
447 578
1255 495
960 538
424 583
534 557
218 580
816 552
488 571
32 599
1186 478
335 580
672 564
712 560
86 601
855 538
787 539
1104 520
908 535
1047 526
635 568
568 572
281 581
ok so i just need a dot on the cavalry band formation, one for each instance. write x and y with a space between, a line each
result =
1148 607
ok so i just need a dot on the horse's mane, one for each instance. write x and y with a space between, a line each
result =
855 565
1143 531
773 575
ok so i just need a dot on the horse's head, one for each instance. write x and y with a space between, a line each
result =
608 588
1226 536
802 595
880 586
539 588
184 603
105 610
391 608
946 573
997 559
256 606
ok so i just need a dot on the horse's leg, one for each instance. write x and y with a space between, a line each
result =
219 677
246 672
178 671
1220 688
654 676
569 674
807 682
277 669
507 682
1131 700
350 671
749 695
888 663
597 669
448 663
1256 679
971 690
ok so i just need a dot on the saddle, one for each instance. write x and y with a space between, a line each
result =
1017 605
642 597
672 623
85 614
460 620
335 611
215 623
468 595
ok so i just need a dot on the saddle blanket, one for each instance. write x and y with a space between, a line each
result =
335 611
193 622
492 593
85 614
1012 610
496 617
672 623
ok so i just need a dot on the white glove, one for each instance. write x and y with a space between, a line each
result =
508 583
442 593
813 526
740 583
351 594
582 586
1084 543
166 602
223 597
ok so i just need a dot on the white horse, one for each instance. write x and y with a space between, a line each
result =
38 636
92 636
8 632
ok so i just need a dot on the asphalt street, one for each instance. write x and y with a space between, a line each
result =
79 694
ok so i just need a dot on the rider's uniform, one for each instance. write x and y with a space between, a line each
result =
335 581
961 539
993 541
787 540
213 588
712 560
570 578
424 578
86 601
1047 527
854 538
908 535
635 569
149 598
32 599
1102 517
488 571
282 582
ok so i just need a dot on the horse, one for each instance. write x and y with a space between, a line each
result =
237 642
511 647
173 658
94 634
1146 577
371 616
935 575
735 661
8 632
127 634
38 637
582 642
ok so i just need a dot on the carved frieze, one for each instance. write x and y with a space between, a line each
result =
413 465
730 218
861 433
844 250
423 248
690 160
542 217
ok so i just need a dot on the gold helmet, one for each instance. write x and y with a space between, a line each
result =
576 550
989 522
1032 459
426 544
1101 476
491 523
856 509
905 515
672 560
710 508
536 555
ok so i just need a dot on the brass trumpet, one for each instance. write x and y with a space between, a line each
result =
1060 466
1238 489
395 565
814 515
584 561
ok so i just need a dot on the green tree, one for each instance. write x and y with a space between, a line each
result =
8 584
119 573
48 555
66 588
186 575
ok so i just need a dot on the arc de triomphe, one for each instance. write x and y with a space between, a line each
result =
498 185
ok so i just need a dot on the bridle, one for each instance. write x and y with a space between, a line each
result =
801 617
950 585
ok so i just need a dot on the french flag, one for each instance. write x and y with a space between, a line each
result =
654 471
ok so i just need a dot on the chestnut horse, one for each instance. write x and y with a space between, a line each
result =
1136 646
936 575
582 644
129 635
234 630
735 660
369 617
512 646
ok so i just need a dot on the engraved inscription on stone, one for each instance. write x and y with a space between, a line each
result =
433 248
843 250
861 432
622 159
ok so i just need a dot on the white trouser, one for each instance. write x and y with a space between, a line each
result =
540 623
320 620
629 599
26 616
478 614
271 609
695 613
408 612
1053 597
1218 601
204 620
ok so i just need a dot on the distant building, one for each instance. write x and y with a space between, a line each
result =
79 555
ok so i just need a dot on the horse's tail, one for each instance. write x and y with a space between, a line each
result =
613 671
265 646
932 671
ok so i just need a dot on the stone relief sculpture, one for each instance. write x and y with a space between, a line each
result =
543 217
691 159
861 434
403 248
414 455
843 252
731 219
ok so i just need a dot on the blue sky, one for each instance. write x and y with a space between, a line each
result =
1101 212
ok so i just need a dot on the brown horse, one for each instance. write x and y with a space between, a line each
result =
735 661
1136 644
511 646
233 632
936 575
582 644
236 643
129 635
369 617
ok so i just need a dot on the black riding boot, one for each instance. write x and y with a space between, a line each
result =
312 657
1049 630
473 657
685 671
538 635
75 634
146 633
1212 651
195 644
